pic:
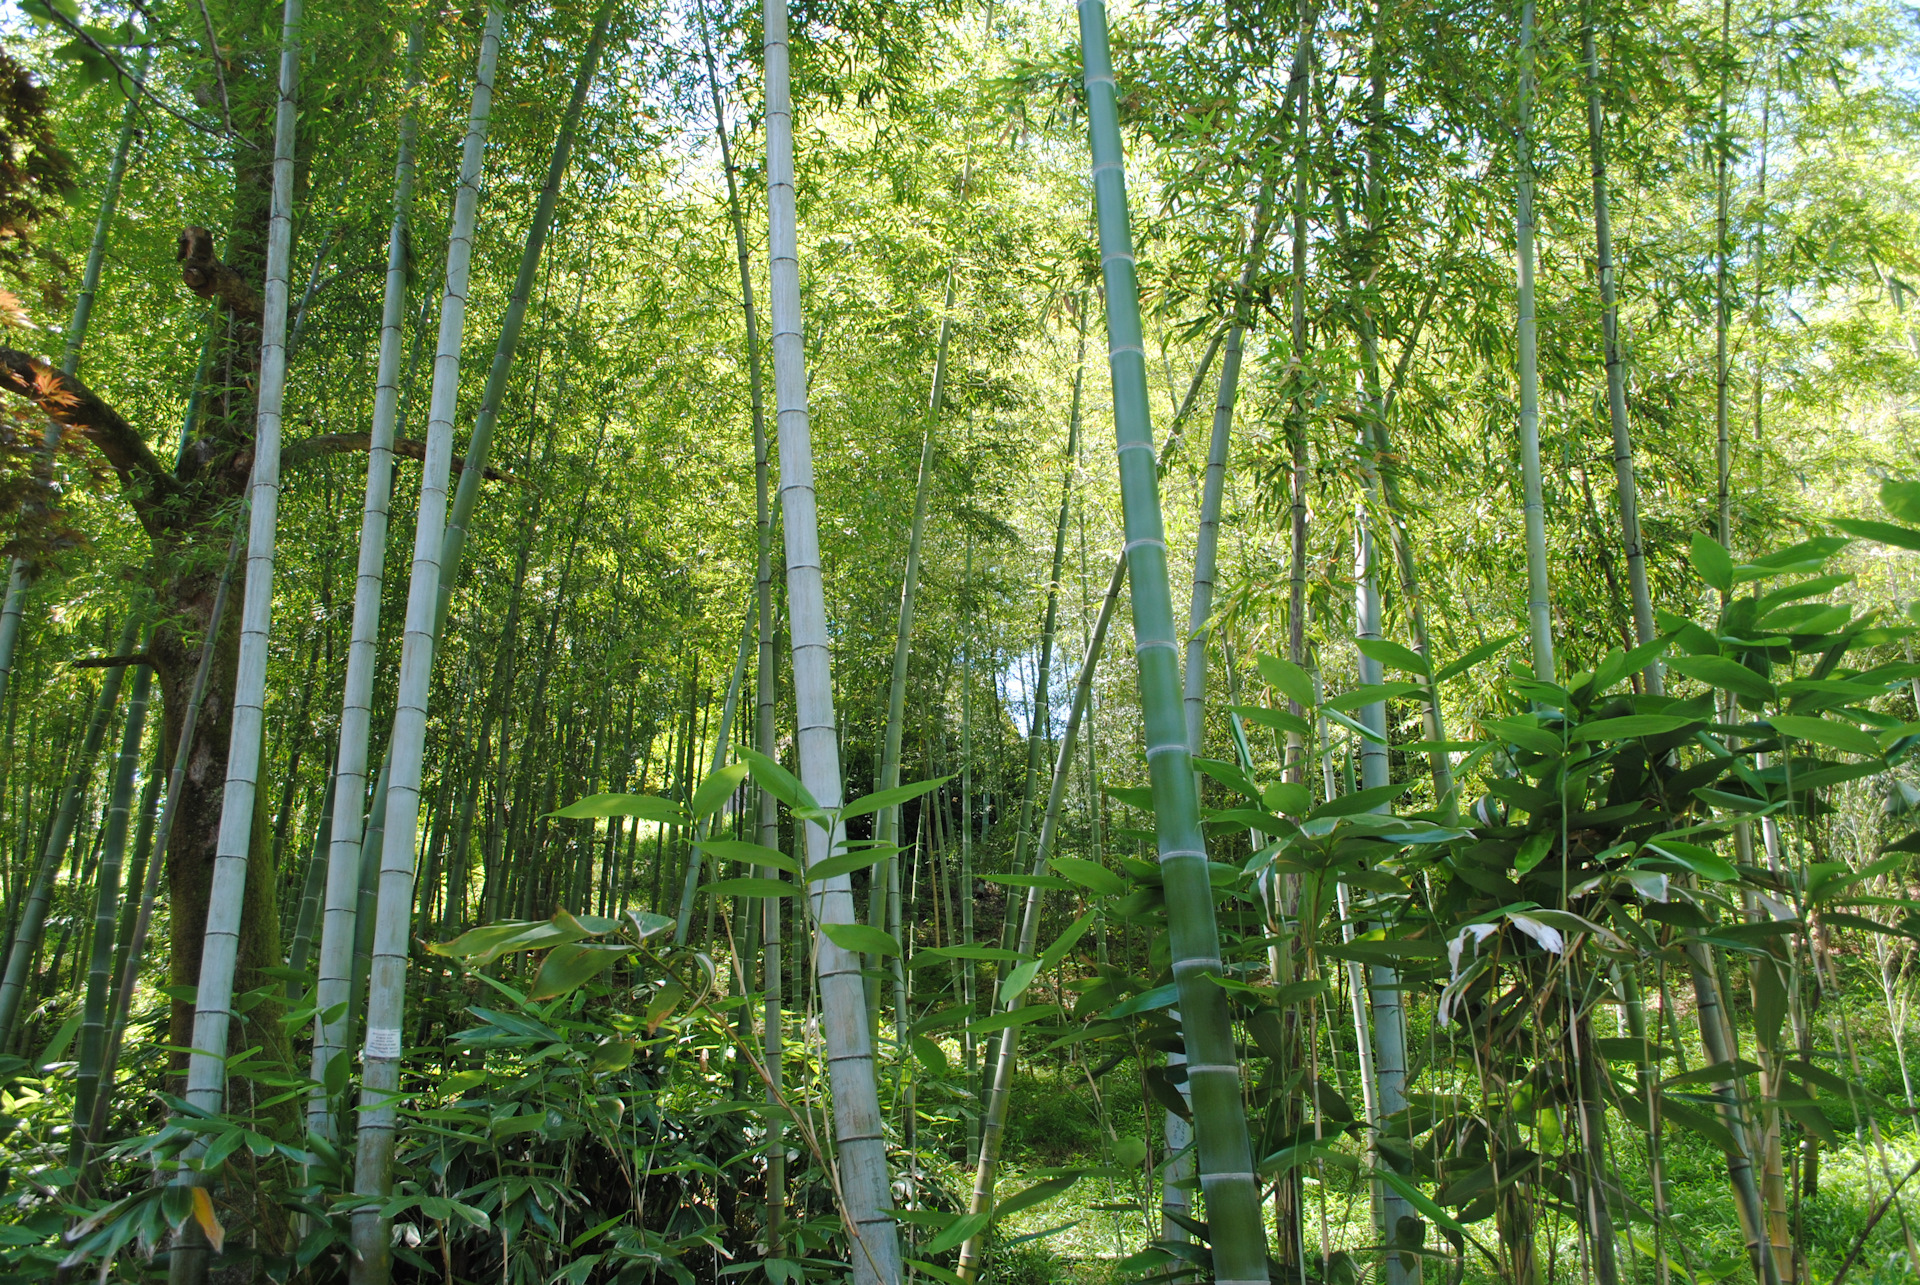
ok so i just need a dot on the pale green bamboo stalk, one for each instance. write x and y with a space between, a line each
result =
993 1118
1225 1153
767 679
312 892
135 945
859 1132
435 562
19 570
347 828
106 908
1722 299
1616 360
33 911
206 1068
1539 607
1732 1109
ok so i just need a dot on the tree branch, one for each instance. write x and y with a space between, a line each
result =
71 404
209 278
310 448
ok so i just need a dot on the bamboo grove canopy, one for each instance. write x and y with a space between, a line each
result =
1008 641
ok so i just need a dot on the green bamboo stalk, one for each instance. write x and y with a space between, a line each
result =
722 751
1539 607
1616 360
312 891
33 911
436 554
134 947
106 907
1722 294
994 1117
864 1186
1225 1153
213 1007
345 830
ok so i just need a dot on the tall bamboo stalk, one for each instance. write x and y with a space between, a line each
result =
134 946
1616 359
1220 1124
722 747
1539 607
206 1067
106 914
1722 292
348 829
858 1128
993 1119
33 911
436 554
766 684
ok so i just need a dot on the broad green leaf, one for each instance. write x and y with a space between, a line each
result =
1393 655
647 807
1228 774
647 924
1145 1001
1029 881
719 786
1018 1017
1527 735
845 863
1016 982
1728 675
931 1055
1885 532
998 954
891 798
1134 796
1052 955
1036 1194
1288 679
1373 694
864 939
1287 798
1713 563
1283 720
1821 731
1704 862
1358 729
749 888
568 967
1628 726
1090 875
751 854
777 781
962 1230
1902 499
1484 651
1359 801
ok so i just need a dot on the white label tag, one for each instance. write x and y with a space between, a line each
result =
382 1041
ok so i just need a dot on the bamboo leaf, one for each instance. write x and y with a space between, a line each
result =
863 939
1018 1017
1288 679
1366 733
891 798
1713 563
1484 651
1393 656
1728 675
714 792
1373 694
1527 735
1017 981
1630 726
749 888
1701 861
1090 875
1038 1193
845 863
1821 731
1359 801
1885 532
1282 720
568 967
751 854
1145 1002
647 807
777 781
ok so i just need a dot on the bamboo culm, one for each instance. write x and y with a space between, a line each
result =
33 911
1539 608
134 947
347 828
206 1067
106 916
859 1133
1220 1123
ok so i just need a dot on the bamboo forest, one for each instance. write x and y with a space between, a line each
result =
967 642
